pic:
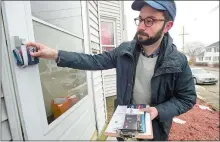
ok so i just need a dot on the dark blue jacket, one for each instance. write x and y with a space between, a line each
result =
172 86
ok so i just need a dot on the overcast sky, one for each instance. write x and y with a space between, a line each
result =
200 24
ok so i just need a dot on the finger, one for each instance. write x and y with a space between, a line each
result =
151 117
33 44
35 54
145 109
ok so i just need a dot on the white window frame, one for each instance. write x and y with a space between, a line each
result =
54 123
7 85
216 58
207 50
208 58
55 27
201 58
216 49
109 20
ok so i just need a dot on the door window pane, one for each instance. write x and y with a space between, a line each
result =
107 48
64 14
107 33
62 87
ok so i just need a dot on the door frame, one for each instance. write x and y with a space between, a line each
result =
24 29
8 87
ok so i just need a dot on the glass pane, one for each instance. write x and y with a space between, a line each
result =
62 87
64 14
107 48
107 33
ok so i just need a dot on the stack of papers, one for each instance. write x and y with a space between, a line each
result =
118 119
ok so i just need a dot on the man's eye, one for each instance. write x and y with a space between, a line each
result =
149 21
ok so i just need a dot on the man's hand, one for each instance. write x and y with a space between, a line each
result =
152 110
43 51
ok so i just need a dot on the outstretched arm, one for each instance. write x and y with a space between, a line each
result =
106 60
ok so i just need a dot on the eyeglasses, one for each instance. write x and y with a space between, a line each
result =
147 21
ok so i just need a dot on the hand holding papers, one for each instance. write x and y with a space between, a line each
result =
130 121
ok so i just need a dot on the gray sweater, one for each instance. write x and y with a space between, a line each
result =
142 86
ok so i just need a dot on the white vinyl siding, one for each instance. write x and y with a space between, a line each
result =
112 10
97 77
5 130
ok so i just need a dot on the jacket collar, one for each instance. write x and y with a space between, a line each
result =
168 61
154 54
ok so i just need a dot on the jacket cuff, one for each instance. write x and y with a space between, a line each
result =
61 58
58 57
161 115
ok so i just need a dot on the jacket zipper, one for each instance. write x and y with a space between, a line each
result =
133 75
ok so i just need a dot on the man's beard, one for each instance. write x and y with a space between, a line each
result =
150 40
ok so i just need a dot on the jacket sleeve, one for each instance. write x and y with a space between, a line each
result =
106 60
184 98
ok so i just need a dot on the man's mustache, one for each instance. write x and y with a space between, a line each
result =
142 33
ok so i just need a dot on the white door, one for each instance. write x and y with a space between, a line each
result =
39 88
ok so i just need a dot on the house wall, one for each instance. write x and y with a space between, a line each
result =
5 133
97 77
210 54
5 129
112 10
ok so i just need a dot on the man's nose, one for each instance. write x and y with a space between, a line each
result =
142 26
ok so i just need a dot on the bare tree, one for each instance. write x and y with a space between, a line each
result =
193 48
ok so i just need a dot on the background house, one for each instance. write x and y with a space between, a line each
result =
34 99
209 56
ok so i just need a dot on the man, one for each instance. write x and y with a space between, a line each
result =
150 70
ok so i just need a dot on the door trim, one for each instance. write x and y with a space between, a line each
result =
102 75
8 85
87 43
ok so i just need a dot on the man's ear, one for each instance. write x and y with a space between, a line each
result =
168 26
